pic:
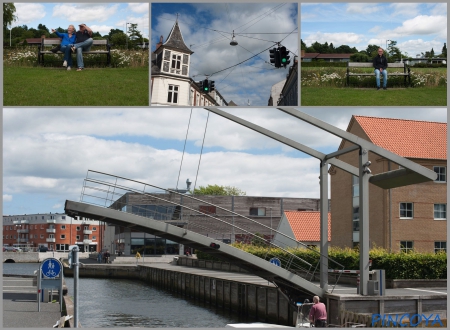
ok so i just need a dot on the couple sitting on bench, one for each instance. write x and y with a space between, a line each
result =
74 41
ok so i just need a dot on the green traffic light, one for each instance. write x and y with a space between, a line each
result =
206 88
283 60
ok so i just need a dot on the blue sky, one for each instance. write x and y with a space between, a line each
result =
207 29
417 27
47 152
101 17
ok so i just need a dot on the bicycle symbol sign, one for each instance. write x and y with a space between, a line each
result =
275 261
51 268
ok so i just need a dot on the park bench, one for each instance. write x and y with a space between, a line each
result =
47 44
406 71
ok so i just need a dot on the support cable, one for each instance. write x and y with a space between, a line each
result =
184 148
201 152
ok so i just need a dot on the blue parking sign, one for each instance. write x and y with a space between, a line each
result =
51 268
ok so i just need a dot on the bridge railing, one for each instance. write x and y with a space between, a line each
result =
198 215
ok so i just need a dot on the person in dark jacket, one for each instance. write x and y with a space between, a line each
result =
83 43
380 64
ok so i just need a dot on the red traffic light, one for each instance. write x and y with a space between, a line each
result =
214 245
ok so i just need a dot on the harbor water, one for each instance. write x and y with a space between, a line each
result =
130 303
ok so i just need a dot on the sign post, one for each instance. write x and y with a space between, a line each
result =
50 277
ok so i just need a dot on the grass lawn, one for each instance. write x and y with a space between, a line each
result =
31 86
328 96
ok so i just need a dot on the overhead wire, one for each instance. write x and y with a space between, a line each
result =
184 148
201 152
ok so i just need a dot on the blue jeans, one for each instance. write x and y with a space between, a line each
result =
80 47
377 74
67 54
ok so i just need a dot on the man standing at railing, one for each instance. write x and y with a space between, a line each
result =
380 64
84 42
318 313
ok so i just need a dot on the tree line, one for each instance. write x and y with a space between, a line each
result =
392 52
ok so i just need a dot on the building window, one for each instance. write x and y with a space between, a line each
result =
86 236
35 235
406 246
63 227
78 228
440 247
7 236
78 237
42 226
440 211
42 236
42 217
35 226
94 238
258 211
441 172
63 217
172 96
51 236
176 64
94 228
207 209
406 210
63 236
86 227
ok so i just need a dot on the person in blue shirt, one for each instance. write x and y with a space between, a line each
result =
67 39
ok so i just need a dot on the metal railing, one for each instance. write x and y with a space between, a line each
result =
200 216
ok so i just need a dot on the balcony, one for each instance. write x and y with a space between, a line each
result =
22 240
16 222
51 220
50 240
51 230
87 241
22 231
86 223
25 221
87 232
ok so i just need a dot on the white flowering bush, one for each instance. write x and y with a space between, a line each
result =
20 57
28 56
337 77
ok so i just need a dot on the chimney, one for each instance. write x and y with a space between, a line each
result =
159 43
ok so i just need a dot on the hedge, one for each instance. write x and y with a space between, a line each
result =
411 265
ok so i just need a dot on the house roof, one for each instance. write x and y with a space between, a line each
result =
406 138
306 225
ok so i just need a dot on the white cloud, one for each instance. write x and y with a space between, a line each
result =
438 9
102 29
57 206
363 8
404 9
28 12
337 38
422 25
85 14
139 7
7 198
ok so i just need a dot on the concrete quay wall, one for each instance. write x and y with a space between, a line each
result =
259 302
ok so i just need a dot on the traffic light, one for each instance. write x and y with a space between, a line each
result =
275 57
284 55
214 245
205 86
211 85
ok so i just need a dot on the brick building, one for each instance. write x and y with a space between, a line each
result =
263 210
54 231
403 218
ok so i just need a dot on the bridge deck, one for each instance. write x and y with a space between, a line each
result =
255 265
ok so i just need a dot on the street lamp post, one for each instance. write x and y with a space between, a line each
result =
126 32
271 238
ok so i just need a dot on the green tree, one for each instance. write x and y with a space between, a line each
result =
303 45
134 36
114 31
432 52
118 39
9 16
360 57
444 50
345 49
219 190
42 27
372 50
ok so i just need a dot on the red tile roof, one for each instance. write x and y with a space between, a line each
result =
406 138
306 225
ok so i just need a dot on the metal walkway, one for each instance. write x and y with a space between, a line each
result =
177 217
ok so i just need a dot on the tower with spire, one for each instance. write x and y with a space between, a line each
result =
170 69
